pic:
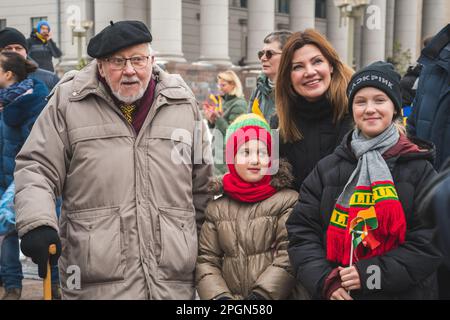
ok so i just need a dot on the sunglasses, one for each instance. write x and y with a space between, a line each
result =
269 53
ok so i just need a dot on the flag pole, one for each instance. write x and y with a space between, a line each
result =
351 251
351 255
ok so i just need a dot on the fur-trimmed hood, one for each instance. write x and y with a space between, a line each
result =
281 180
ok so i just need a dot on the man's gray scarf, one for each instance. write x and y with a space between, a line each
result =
371 165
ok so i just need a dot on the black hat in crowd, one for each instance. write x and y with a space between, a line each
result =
117 36
380 75
10 36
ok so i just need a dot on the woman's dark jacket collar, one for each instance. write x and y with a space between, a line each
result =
312 110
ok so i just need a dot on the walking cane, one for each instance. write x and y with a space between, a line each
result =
48 276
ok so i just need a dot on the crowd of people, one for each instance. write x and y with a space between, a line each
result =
116 168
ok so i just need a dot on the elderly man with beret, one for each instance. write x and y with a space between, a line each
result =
124 143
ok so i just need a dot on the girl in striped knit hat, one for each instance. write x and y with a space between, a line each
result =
243 242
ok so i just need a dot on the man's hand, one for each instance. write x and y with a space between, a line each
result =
35 245
350 278
340 294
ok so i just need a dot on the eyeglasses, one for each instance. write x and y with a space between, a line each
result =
137 62
269 53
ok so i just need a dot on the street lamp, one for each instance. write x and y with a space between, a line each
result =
350 10
79 30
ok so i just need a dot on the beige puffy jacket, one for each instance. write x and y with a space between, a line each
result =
243 246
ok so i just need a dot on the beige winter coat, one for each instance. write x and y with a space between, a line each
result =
128 220
243 246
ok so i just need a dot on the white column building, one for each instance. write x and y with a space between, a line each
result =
115 12
214 32
374 33
408 26
221 32
302 14
166 29
261 21
390 15
337 34
435 15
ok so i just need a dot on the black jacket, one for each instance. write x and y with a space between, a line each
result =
48 78
430 116
436 198
320 137
407 272
42 53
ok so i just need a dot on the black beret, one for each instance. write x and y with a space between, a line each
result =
118 36
10 36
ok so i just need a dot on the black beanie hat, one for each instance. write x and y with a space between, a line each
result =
10 36
117 36
380 75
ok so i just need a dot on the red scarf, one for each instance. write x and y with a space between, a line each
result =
243 191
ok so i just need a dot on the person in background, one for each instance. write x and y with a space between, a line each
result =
435 209
409 83
262 100
310 101
430 116
356 232
232 104
22 100
41 46
13 40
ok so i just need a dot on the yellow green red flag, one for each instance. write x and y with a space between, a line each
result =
256 109
361 227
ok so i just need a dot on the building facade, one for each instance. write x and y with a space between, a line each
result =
229 32
198 38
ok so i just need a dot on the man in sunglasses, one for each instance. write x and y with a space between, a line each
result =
120 141
262 100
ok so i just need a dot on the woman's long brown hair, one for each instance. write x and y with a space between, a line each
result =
285 96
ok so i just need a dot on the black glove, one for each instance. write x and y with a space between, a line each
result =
35 245
255 296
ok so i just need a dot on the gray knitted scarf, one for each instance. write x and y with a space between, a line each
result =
371 165
369 186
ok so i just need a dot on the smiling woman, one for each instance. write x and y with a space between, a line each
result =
310 101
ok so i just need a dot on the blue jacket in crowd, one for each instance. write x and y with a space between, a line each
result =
48 78
16 122
430 117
